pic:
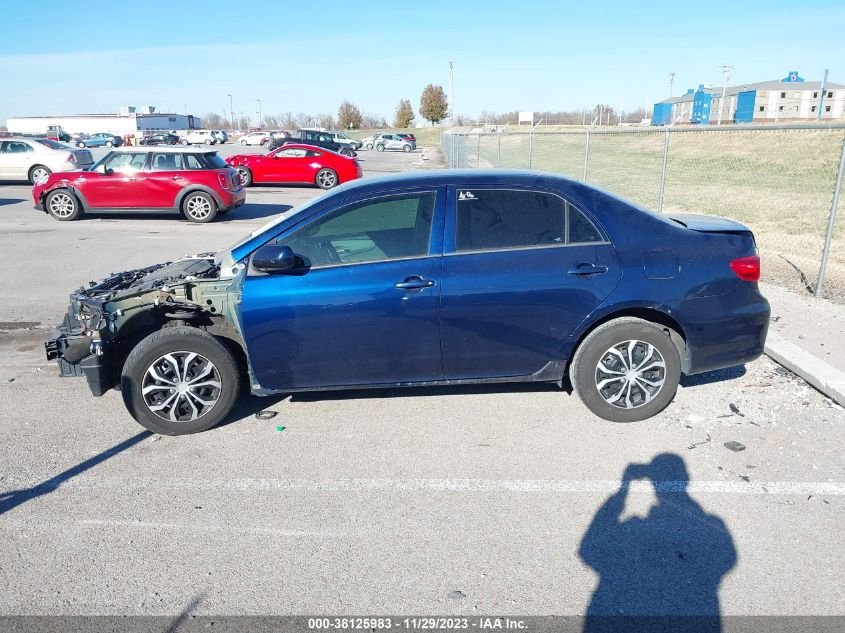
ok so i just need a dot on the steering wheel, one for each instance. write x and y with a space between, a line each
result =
329 252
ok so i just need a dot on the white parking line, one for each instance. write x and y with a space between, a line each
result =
457 485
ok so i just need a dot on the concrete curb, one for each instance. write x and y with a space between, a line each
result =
826 378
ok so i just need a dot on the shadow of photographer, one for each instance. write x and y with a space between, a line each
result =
660 572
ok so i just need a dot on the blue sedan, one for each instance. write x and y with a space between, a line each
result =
437 278
101 139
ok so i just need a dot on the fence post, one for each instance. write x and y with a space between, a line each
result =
499 159
586 154
478 152
663 172
530 146
837 187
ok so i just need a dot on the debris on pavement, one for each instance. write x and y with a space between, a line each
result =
266 415
734 446
694 444
457 594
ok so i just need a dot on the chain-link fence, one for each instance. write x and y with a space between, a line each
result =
781 182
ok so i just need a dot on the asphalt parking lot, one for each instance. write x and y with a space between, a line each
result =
450 501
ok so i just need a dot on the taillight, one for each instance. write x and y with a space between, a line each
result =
225 180
747 268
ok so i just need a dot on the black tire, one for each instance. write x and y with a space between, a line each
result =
80 144
208 141
179 342
380 147
199 207
246 175
184 141
347 152
242 142
109 144
369 146
584 371
406 148
62 205
37 172
326 178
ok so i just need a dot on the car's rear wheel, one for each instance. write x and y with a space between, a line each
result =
38 173
180 380
80 144
369 146
200 207
63 205
208 141
245 175
184 141
326 178
380 147
347 152
243 142
626 370
109 144
406 148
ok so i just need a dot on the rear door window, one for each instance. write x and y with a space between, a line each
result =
167 162
494 219
15 147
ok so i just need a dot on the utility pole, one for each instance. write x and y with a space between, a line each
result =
451 94
259 114
726 74
821 96
671 83
231 111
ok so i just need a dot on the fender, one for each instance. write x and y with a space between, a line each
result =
184 191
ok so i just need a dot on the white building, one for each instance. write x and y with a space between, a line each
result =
130 121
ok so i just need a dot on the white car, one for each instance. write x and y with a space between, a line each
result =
254 138
199 137
34 159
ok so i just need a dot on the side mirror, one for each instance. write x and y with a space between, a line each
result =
105 171
274 258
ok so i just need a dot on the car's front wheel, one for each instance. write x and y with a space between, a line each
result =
347 152
245 175
380 147
63 205
406 148
109 144
208 141
326 178
243 142
369 146
626 370
184 141
200 207
180 380
38 173
80 144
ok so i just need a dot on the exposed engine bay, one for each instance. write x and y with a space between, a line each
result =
106 318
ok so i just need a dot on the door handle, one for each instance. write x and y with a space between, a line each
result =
133 179
585 269
414 283
178 178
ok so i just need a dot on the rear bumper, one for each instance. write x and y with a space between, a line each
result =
232 199
725 330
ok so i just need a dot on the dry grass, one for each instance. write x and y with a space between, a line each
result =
778 182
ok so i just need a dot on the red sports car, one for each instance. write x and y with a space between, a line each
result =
296 163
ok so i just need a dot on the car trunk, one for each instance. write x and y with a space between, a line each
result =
710 224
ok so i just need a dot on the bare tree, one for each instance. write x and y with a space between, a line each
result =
433 104
404 114
349 116
213 121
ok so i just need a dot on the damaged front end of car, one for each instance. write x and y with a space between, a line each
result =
106 319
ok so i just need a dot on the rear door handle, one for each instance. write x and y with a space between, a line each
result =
587 269
414 283
178 178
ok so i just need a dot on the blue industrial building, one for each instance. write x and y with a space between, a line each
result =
791 99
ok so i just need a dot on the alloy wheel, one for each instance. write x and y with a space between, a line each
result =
61 205
630 374
198 207
326 179
181 386
40 174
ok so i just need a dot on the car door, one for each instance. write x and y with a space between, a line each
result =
521 270
122 186
362 308
286 165
165 179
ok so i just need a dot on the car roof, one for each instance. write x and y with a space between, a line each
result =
173 150
462 177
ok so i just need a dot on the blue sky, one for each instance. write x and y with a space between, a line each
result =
309 56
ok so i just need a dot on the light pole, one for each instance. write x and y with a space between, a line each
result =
726 74
259 114
231 111
452 94
671 83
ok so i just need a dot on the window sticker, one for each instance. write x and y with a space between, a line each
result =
466 195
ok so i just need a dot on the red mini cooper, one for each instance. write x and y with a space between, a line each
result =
194 182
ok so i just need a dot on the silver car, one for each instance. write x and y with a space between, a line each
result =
33 159
393 141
